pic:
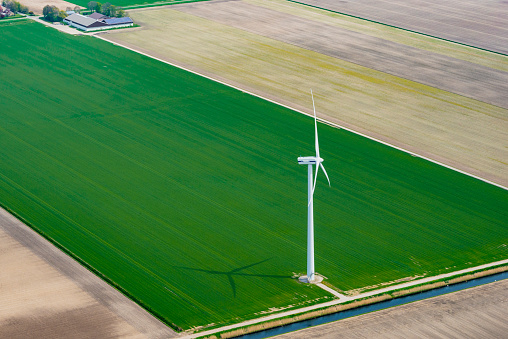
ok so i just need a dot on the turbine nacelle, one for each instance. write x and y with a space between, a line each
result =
309 160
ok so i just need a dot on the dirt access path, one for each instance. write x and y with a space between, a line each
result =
46 294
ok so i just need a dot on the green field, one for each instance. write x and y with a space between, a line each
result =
188 195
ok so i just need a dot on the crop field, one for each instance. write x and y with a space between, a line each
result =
187 193
471 22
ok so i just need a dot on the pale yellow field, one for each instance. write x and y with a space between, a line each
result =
447 127
36 6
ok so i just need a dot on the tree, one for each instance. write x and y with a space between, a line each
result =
46 10
92 6
77 9
112 11
51 13
61 15
120 13
106 8
13 6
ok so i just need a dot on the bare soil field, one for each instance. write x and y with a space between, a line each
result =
454 129
46 294
478 312
477 23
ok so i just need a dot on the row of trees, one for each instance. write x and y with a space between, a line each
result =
15 7
106 9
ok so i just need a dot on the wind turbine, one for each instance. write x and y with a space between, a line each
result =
310 161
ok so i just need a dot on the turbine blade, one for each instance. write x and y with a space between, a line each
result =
324 171
315 124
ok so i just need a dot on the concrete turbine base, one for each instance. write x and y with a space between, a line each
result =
305 279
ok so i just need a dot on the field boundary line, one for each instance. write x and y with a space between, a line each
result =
345 299
302 112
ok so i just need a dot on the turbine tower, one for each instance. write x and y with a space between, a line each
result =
310 161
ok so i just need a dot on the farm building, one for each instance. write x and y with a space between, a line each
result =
119 22
84 23
4 12
88 23
98 16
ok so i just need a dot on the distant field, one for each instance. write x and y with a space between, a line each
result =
37 5
477 23
187 193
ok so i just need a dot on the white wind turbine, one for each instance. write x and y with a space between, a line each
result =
318 161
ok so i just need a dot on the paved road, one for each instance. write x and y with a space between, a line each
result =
429 68
478 23
479 312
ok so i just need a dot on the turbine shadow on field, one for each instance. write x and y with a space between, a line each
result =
237 272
